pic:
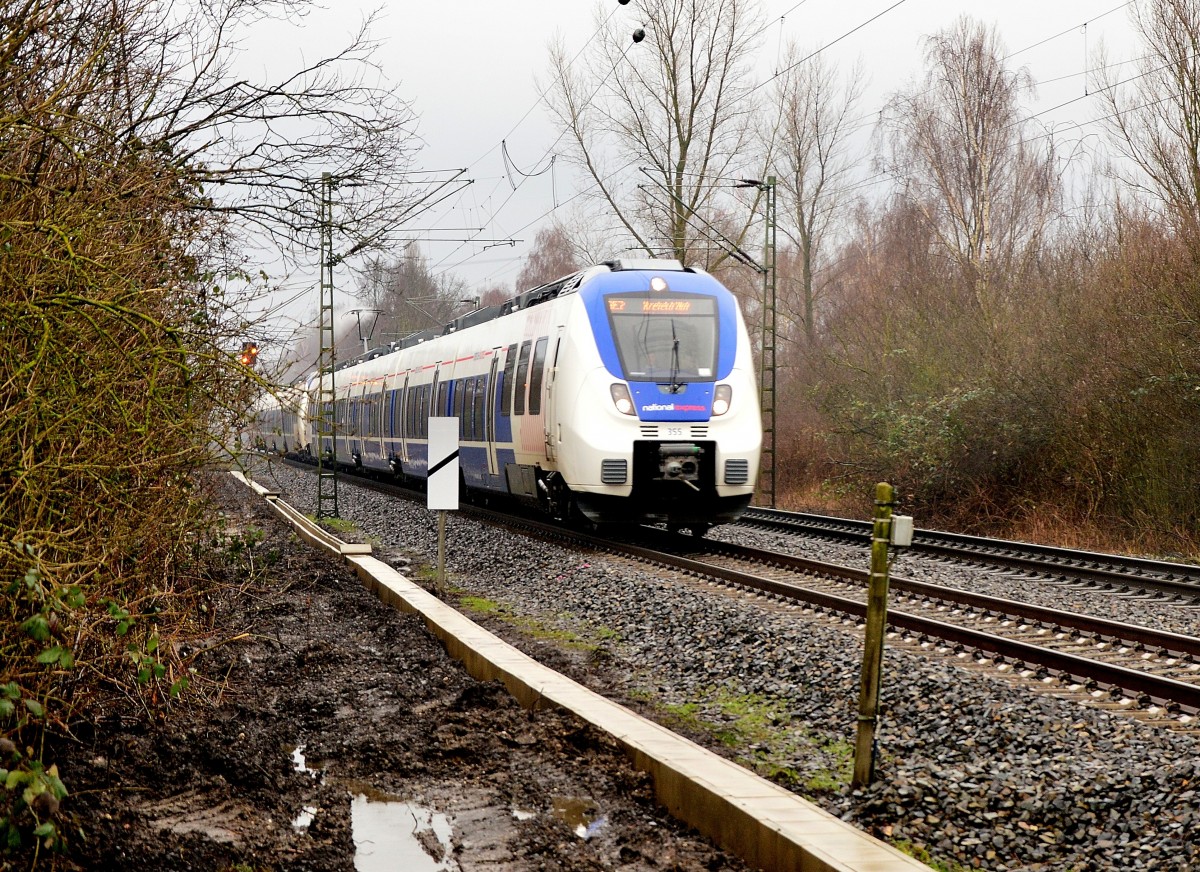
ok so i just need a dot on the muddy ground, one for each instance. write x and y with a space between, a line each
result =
335 734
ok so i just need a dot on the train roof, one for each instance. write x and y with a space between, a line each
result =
542 293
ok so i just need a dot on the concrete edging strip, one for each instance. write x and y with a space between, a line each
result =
766 825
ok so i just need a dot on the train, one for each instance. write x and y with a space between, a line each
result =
623 394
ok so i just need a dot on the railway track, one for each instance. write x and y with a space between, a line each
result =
1133 667
1140 667
1113 573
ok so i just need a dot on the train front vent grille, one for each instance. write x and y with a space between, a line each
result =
650 431
700 431
614 471
737 471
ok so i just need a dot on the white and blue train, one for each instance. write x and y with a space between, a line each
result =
624 393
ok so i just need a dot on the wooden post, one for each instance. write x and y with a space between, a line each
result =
868 695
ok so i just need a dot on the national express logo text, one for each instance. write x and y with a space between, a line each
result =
674 407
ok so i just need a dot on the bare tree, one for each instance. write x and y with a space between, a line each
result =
957 144
135 169
552 256
677 105
813 162
1154 123
409 295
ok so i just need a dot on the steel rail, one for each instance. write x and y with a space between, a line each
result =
1057 618
1161 689
1178 578
1139 684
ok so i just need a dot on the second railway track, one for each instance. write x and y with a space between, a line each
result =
1110 572
1149 669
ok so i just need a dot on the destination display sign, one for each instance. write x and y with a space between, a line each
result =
656 306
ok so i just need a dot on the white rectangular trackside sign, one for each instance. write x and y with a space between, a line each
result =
442 482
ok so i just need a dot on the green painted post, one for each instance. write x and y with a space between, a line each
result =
868 694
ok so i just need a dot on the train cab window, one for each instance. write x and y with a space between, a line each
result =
535 376
521 382
665 338
510 366
480 401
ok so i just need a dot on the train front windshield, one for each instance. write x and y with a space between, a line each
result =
665 338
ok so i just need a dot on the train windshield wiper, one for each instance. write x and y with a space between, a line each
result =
676 384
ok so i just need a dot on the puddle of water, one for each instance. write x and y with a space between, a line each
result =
581 815
305 817
586 832
399 837
299 763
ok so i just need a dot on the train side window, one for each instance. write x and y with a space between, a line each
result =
424 422
410 417
443 390
467 422
460 387
535 377
480 398
521 382
510 366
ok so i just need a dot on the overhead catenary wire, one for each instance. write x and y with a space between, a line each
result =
1070 29
541 95
827 45
541 168
603 81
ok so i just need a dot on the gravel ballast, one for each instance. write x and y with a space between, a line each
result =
974 770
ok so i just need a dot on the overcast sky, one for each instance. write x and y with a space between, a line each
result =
470 67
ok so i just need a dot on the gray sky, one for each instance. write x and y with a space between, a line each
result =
469 68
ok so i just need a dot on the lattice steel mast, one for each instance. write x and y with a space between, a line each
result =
327 475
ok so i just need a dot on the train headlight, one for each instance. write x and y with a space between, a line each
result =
621 398
722 396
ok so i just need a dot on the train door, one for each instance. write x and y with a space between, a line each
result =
403 432
550 419
433 390
378 418
352 432
489 414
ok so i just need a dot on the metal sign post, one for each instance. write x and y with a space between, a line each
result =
442 482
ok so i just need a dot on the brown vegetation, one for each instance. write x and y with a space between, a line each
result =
1009 373
121 270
